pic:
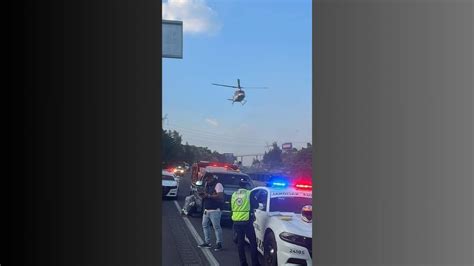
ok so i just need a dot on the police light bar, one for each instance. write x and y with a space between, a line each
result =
304 186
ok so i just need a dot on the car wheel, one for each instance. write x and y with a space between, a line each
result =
270 249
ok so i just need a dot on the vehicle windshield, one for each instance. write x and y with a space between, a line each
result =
289 204
231 180
167 177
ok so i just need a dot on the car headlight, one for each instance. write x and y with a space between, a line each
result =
295 239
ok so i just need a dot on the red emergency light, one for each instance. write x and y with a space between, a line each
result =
225 165
170 169
303 184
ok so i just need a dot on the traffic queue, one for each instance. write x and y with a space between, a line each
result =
275 220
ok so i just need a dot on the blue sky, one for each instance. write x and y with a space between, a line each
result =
262 42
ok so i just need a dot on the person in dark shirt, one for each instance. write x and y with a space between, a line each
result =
213 198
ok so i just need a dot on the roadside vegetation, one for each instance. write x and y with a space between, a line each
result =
294 162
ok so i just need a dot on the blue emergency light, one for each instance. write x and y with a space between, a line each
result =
278 183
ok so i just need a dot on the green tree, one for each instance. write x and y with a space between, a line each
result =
188 154
272 158
174 151
171 147
300 164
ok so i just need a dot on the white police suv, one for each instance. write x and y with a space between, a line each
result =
283 222
169 184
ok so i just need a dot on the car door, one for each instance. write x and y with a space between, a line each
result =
261 217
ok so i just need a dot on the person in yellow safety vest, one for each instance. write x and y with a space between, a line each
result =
242 216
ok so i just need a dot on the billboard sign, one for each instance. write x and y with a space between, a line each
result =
287 146
172 38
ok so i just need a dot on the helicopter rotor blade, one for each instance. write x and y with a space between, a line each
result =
224 85
256 88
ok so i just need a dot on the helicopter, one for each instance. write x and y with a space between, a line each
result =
239 94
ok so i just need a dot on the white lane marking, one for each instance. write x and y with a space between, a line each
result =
207 253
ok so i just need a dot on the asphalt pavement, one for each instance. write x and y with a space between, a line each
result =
181 235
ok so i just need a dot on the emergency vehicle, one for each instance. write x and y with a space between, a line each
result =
170 184
283 222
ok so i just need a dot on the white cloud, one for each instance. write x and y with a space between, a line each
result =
212 122
197 17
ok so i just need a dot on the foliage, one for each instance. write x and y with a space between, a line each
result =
272 158
171 148
300 163
174 151
297 162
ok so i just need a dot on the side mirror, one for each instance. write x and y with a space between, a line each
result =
199 183
260 206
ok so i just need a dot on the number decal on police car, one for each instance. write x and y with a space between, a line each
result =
260 243
297 251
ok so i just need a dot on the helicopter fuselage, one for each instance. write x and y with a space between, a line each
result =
239 95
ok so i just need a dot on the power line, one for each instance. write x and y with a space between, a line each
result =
208 132
224 142
223 136
218 136
220 139
203 133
